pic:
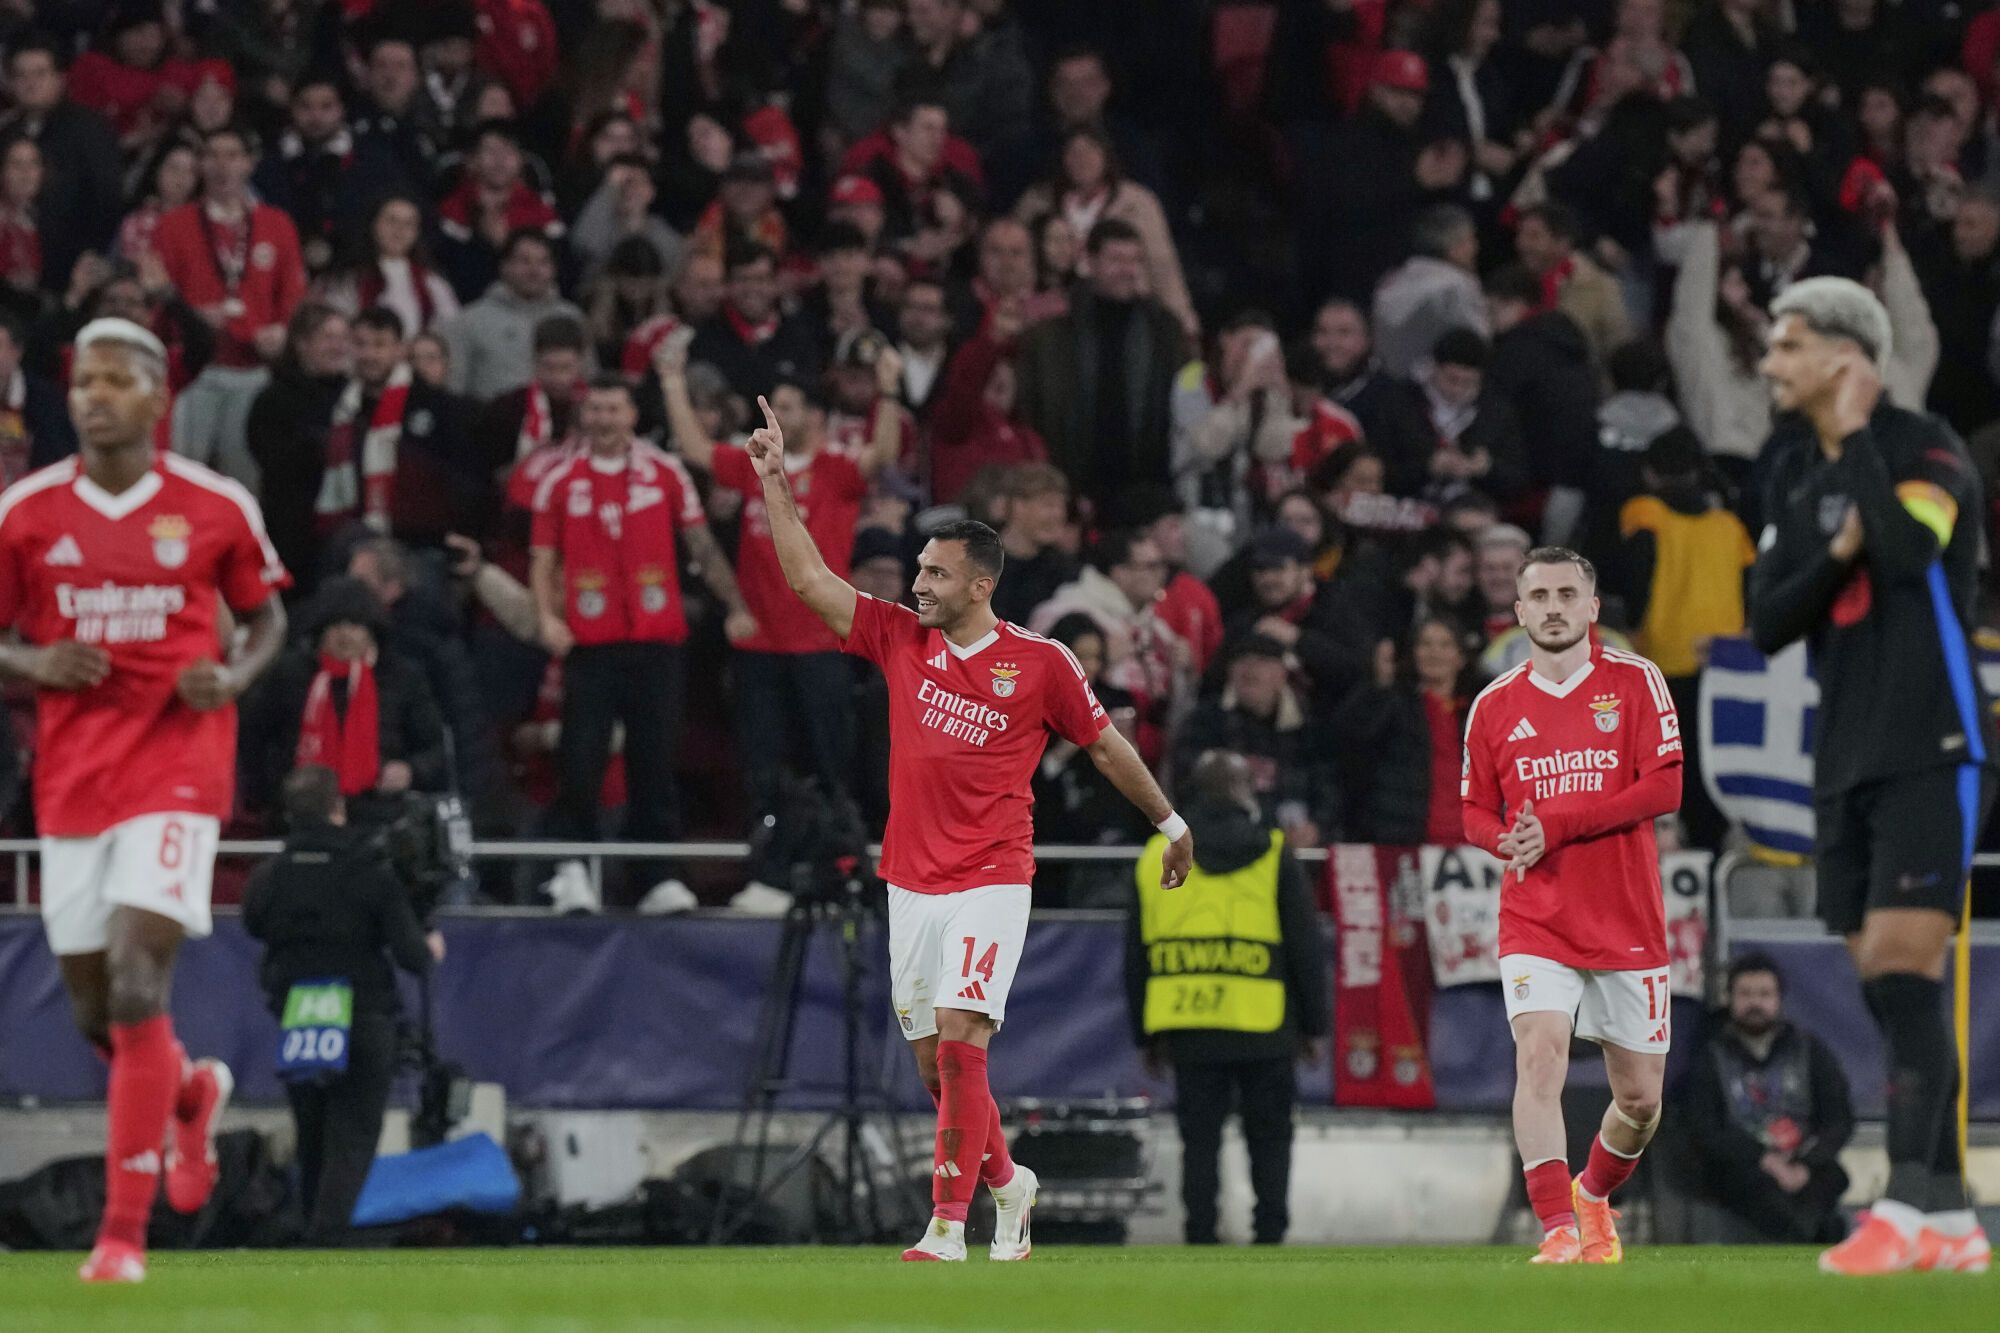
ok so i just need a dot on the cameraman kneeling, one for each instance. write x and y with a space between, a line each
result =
327 908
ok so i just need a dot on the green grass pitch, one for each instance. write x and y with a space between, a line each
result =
1489 1290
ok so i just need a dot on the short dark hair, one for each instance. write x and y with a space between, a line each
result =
1461 347
521 236
1109 230
982 544
310 794
742 254
837 236
1513 282
611 379
1559 555
1114 548
915 93
236 130
1744 964
559 333
1640 366
1559 218
383 318
38 39
318 79
497 126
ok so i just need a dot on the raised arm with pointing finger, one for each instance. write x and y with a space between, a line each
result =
830 596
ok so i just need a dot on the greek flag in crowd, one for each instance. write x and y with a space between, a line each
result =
1757 717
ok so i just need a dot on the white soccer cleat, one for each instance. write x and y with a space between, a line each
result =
1012 1203
943 1240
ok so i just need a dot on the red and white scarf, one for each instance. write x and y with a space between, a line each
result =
374 284
363 479
350 745
538 422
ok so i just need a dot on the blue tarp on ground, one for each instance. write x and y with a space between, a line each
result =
653 1013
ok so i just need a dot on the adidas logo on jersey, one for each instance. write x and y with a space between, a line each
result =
942 661
973 992
64 552
1523 730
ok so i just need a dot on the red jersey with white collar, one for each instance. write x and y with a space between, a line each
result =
1594 903
828 489
612 524
141 574
966 728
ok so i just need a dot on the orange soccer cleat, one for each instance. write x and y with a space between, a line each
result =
1597 1226
1939 1253
1876 1246
1561 1246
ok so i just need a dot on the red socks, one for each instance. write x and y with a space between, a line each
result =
965 1113
1606 1170
186 1102
1548 1194
996 1166
146 1065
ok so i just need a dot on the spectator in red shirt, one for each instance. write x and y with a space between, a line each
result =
973 425
237 262
517 45
1186 606
492 201
130 76
1399 740
166 182
605 571
791 677
20 234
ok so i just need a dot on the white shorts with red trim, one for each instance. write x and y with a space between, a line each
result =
161 863
1633 1010
954 951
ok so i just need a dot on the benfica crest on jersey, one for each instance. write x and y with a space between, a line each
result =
1604 709
170 533
1003 679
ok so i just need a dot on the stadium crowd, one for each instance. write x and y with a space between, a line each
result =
1270 338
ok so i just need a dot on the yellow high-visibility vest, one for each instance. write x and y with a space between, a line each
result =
1211 945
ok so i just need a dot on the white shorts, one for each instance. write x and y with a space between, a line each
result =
1629 1009
954 951
163 863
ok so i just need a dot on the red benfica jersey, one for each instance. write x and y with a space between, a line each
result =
139 573
828 490
612 524
966 728
1595 903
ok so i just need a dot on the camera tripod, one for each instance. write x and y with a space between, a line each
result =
871 1183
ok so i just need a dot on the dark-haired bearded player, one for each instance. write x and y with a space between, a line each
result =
972 701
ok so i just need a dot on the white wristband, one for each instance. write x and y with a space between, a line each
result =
1173 826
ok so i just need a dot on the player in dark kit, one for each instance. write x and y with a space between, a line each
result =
1872 557
972 700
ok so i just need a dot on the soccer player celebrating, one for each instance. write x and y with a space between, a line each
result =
1580 748
972 700
113 568
1866 558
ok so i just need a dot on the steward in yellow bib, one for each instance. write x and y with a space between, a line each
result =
1226 976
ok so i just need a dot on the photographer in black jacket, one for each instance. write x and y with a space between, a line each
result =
332 913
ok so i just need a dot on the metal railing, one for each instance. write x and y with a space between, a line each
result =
594 854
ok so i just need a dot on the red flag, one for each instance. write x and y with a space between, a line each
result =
1381 998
